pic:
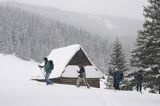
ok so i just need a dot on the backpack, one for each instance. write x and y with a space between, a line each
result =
51 64
121 76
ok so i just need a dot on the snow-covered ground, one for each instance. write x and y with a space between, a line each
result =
16 89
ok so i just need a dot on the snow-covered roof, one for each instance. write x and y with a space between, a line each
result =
62 56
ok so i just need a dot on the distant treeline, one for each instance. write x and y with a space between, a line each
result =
32 36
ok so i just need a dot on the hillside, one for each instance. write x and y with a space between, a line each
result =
62 28
32 36
18 90
103 25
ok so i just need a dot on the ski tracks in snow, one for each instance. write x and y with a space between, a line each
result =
108 101
109 98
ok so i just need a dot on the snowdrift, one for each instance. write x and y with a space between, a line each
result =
16 89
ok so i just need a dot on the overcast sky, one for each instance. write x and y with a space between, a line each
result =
125 8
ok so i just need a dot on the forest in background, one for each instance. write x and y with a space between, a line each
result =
33 36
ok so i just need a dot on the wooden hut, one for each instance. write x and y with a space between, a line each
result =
66 61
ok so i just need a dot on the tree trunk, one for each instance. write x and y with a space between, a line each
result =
159 88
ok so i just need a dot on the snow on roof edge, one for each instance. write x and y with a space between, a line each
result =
61 57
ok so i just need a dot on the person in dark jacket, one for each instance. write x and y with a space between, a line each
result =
45 62
139 80
48 66
82 76
117 77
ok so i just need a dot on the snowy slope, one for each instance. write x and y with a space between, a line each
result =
18 90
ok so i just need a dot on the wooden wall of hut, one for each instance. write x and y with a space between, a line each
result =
93 82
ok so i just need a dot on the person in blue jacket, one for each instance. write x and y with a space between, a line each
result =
117 77
48 67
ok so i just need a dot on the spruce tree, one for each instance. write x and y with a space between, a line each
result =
117 60
118 57
147 51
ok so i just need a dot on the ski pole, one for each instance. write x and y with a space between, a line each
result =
42 72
